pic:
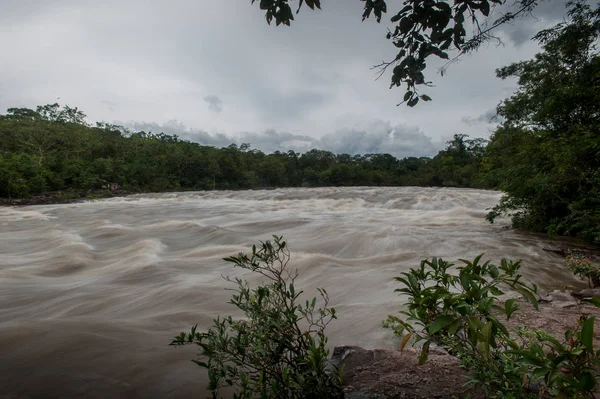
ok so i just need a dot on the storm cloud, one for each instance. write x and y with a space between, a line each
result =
221 72
377 136
380 137
215 104
521 31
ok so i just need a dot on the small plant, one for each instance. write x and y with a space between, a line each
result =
459 310
278 349
568 369
459 313
583 267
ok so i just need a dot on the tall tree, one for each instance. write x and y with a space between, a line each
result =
546 154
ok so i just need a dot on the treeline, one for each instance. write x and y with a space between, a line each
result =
53 149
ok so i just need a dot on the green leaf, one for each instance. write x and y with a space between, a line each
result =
587 334
406 24
486 335
396 17
454 327
537 374
484 6
593 300
587 382
265 4
413 102
425 97
494 271
528 358
413 281
465 281
555 343
510 307
527 294
440 323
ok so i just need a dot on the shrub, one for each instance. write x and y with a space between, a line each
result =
459 310
565 369
582 266
279 349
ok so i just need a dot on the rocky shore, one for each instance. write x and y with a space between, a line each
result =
391 374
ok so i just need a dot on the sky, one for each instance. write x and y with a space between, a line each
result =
213 71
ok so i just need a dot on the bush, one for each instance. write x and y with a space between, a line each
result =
582 266
278 349
459 310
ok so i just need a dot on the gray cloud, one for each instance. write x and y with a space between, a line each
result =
215 104
290 106
111 105
380 137
487 117
313 78
375 137
546 14
174 127
272 140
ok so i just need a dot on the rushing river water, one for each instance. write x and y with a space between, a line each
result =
92 293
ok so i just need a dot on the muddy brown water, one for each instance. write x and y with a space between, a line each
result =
91 293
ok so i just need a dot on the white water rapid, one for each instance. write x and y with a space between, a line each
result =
92 293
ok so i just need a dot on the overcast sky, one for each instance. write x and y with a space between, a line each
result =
215 72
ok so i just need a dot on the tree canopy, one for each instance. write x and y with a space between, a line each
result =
54 149
546 153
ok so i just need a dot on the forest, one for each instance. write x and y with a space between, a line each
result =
53 149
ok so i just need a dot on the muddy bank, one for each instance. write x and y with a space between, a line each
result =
391 374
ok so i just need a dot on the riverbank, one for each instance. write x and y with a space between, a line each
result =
390 374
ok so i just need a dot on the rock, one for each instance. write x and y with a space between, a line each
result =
559 299
386 374
559 251
588 293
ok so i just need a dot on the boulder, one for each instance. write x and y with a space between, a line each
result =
588 293
386 374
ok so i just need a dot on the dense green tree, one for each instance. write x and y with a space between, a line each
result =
546 154
54 149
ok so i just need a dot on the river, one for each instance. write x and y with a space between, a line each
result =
91 293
